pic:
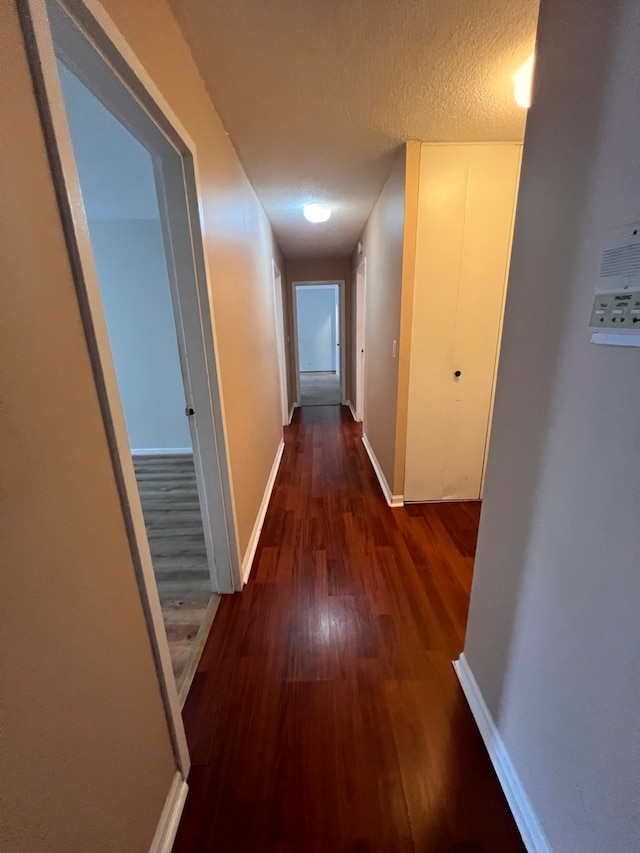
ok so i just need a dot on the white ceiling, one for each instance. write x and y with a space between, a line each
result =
317 94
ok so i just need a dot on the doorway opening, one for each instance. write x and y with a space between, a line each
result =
319 343
143 292
361 295
282 340
118 186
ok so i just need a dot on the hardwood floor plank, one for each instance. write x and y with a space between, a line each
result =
325 715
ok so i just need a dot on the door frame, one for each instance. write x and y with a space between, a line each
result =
77 54
281 346
105 40
361 319
340 332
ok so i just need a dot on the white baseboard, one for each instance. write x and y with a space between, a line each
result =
392 500
257 528
160 451
170 817
291 411
525 817
352 410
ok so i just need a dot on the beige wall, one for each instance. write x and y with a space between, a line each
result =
409 249
239 245
86 761
383 245
321 269
554 635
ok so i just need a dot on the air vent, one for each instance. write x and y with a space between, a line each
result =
623 260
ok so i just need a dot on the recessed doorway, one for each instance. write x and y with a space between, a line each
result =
319 343
154 272
120 199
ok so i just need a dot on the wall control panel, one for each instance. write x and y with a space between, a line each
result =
615 313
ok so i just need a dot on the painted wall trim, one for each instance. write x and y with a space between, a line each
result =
294 406
170 817
523 813
391 499
257 528
160 451
351 409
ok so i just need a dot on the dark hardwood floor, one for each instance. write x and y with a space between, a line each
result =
325 714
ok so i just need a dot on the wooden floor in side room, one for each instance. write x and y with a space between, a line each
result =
325 714
169 496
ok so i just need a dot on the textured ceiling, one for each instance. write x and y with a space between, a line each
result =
316 95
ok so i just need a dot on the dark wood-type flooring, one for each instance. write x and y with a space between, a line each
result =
325 714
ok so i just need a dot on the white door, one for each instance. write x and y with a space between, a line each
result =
336 330
465 218
361 284
281 345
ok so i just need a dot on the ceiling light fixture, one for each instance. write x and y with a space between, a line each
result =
316 212
523 83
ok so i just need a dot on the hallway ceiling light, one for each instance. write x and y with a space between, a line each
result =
316 212
523 82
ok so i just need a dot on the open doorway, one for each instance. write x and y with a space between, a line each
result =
361 295
125 178
120 199
319 344
282 339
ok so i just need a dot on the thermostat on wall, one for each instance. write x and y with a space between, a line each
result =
615 314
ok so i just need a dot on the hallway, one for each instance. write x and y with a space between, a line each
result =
325 714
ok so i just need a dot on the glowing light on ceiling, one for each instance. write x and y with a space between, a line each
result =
523 82
316 212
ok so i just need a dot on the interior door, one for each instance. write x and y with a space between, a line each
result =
360 339
467 197
484 261
280 341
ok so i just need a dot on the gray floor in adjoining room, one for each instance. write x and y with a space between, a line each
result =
320 389
171 509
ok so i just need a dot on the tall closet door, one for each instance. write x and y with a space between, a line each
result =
466 204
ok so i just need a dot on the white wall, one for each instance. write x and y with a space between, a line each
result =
317 327
554 630
119 194
124 185
129 257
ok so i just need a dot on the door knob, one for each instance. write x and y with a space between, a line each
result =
458 374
